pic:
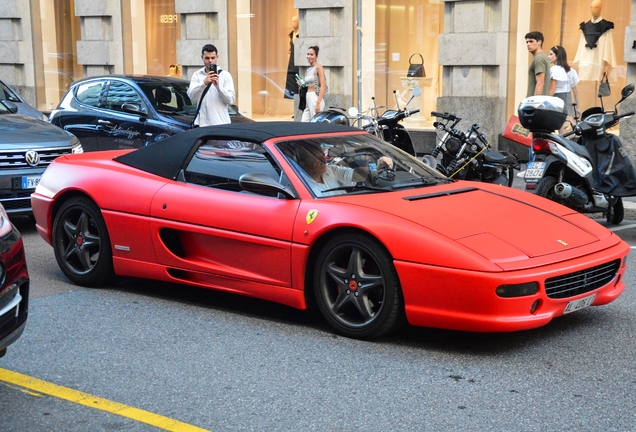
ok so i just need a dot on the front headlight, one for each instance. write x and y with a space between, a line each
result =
76 145
5 223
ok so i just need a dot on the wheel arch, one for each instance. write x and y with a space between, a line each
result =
64 197
314 251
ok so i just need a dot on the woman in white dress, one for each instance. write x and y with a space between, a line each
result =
316 85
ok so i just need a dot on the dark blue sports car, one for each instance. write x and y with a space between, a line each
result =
127 111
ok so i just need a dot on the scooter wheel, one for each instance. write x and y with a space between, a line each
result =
545 188
616 213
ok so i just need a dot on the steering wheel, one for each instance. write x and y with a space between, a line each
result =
386 173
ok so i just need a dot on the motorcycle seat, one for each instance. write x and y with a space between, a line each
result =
572 146
502 158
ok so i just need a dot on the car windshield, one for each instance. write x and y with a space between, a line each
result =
356 164
7 94
169 97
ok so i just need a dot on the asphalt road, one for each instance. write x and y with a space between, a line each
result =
226 363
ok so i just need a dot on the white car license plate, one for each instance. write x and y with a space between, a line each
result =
579 304
534 170
30 182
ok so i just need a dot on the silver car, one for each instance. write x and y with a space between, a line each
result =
8 94
27 147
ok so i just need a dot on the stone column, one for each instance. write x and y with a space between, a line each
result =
473 51
202 22
329 25
101 49
17 56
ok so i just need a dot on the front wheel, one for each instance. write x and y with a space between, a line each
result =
357 288
81 243
615 212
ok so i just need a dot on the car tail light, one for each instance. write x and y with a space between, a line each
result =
517 290
540 145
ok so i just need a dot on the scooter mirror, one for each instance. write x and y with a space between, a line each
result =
353 112
418 91
627 91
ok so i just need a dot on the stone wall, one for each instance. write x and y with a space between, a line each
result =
329 25
473 51
16 48
202 22
101 48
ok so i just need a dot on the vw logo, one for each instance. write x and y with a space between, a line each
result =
32 157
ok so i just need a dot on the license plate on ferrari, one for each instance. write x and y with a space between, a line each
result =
534 171
579 304
30 182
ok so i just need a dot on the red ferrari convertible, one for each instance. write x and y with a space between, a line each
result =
316 214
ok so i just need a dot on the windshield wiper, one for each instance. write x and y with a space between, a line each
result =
423 181
360 186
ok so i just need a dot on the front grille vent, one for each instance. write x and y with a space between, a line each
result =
14 159
580 282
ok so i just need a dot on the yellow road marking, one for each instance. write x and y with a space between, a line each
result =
96 402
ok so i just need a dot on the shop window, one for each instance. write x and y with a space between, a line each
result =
560 24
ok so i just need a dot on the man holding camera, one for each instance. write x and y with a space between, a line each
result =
213 88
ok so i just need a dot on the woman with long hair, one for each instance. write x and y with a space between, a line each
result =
316 85
563 78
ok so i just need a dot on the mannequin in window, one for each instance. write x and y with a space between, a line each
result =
291 87
595 54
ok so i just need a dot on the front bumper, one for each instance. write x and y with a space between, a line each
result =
466 300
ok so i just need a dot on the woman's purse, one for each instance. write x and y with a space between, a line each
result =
416 70
604 88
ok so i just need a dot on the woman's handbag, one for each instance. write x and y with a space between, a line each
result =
604 87
416 70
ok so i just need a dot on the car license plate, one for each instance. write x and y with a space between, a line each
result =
30 182
534 171
579 304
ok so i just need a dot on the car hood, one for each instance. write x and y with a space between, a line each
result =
502 225
28 110
16 129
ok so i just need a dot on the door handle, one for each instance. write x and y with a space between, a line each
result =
104 122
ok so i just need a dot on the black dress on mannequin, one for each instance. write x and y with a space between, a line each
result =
291 86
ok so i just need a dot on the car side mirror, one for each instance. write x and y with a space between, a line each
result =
13 108
134 109
261 182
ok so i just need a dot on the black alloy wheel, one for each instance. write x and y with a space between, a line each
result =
81 243
357 288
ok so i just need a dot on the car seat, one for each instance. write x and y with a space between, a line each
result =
163 96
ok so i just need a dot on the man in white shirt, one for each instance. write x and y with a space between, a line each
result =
214 102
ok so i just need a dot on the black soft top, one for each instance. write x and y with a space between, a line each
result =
166 158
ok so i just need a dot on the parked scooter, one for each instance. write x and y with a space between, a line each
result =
466 155
590 176
385 126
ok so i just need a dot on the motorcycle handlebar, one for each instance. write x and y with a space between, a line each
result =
445 116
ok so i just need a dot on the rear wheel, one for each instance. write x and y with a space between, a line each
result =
357 288
545 188
616 212
81 243
511 176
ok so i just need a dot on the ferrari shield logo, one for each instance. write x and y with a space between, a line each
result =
311 215
562 242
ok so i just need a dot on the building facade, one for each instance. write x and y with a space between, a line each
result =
473 51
